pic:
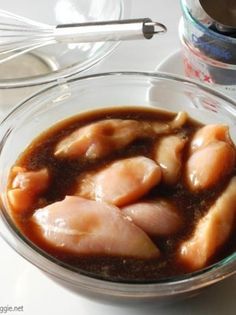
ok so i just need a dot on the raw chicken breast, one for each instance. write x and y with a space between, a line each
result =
26 187
168 154
100 138
170 126
209 134
121 182
84 226
212 231
179 121
158 217
207 166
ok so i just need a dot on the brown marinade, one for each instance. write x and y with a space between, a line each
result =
63 174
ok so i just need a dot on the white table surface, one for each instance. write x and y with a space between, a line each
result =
21 284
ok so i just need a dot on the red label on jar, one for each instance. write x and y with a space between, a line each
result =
196 73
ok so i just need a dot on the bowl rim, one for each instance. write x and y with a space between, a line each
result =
75 68
155 74
162 288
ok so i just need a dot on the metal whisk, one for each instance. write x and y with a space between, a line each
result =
19 35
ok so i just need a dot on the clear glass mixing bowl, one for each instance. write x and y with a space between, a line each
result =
50 63
53 104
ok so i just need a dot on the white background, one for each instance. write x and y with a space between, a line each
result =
22 284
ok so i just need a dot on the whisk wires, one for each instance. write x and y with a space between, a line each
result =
19 35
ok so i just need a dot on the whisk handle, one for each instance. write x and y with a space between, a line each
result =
108 31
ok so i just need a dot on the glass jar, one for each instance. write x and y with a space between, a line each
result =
208 55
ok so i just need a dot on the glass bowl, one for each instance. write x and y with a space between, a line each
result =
50 63
63 100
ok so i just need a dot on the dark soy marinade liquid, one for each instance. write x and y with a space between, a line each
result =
63 174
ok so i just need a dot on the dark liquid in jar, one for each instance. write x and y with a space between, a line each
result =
223 12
